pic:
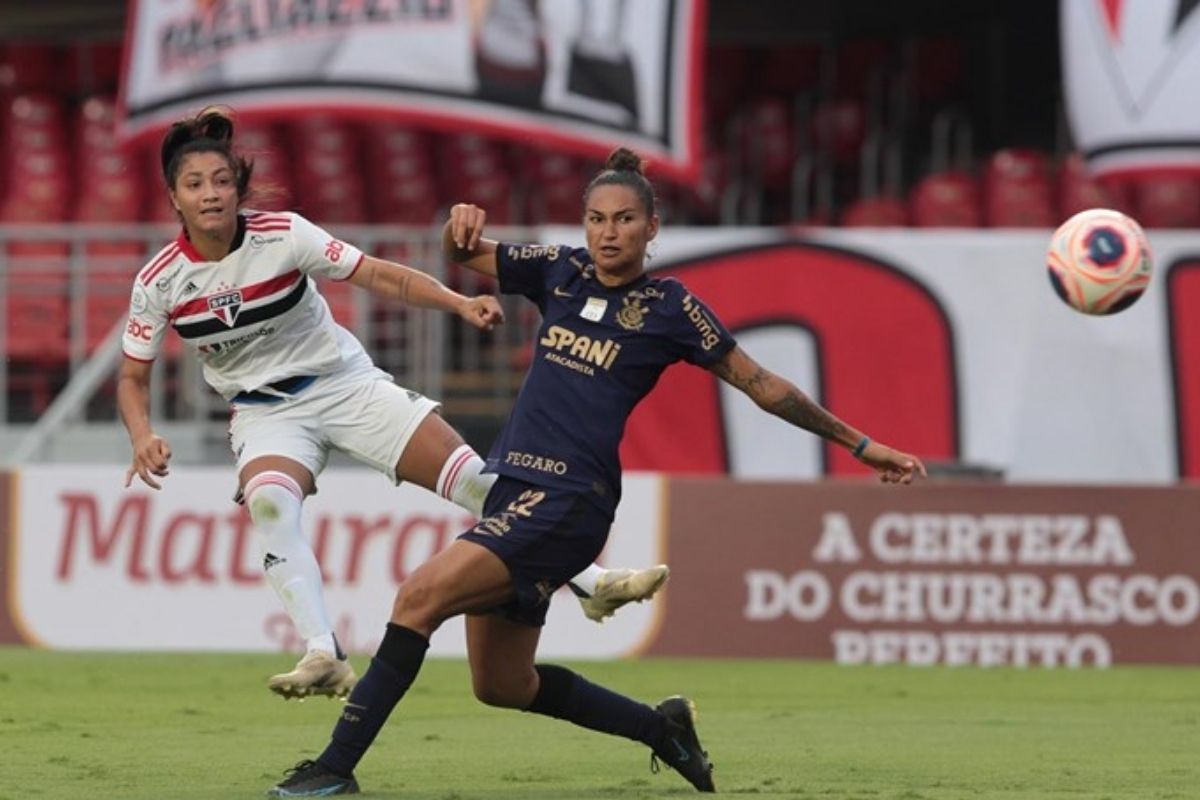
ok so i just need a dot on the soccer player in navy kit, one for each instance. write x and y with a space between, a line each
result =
608 331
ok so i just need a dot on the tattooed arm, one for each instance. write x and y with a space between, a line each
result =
782 398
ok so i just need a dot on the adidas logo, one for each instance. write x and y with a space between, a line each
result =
271 560
191 288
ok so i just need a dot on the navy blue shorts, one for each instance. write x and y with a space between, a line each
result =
545 536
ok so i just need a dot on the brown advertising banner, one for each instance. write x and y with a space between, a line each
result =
933 574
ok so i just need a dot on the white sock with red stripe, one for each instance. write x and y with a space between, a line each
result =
273 500
462 480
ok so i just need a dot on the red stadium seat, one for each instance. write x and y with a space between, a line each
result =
1017 191
839 127
1077 190
495 195
26 67
876 212
107 303
768 141
37 310
406 202
946 200
1167 201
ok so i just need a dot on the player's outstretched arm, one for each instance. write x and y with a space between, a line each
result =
151 453
416 288
463 242
782 398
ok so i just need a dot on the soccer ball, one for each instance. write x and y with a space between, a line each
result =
1099 261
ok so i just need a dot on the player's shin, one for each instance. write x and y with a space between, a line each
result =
567 695
392 671
274 501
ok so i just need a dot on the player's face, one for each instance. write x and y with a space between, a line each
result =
205 194
618 230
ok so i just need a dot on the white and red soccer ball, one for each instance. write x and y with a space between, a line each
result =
1099 261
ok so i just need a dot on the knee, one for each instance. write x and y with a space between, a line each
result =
418 605
273 501
504 692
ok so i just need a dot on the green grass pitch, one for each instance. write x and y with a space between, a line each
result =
129 726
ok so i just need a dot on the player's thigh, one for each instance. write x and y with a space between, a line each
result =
501 653
464 578
427 452
376 422
281 439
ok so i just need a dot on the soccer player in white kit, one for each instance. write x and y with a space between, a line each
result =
238 288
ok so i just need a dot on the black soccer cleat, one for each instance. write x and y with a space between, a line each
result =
680 748
310 779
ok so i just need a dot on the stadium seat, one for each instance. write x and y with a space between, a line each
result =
876 212
1078 190
28 67
946 200
37 311
494 194
1017 191
107 302
767 141
405 202
838 127
1167 201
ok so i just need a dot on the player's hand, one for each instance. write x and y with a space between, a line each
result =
892 465
483 312
466 225
150 456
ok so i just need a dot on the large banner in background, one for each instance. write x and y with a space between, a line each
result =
575 74
934 574
91 565
1130 69
850 571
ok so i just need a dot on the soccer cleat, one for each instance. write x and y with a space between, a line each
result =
680 749
616 587
310 779
318 673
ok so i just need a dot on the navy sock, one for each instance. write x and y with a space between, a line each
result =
392 671
564 694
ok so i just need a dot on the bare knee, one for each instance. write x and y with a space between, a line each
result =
418 606
508 691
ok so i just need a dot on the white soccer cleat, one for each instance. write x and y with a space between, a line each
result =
318 673
616 587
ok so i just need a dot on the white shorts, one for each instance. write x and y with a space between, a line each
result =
363 414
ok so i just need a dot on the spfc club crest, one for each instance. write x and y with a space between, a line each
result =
225 306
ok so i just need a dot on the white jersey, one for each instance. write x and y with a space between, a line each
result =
254 317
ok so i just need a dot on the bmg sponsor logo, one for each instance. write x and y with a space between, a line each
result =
709 336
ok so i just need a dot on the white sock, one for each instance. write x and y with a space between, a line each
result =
462 481
586 580
274 500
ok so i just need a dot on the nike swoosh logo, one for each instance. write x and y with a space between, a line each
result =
683 754
558 292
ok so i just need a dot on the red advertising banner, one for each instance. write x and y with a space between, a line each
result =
984 575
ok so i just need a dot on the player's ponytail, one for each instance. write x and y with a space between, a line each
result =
625 168
210 131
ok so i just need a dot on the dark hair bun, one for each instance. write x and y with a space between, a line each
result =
213 123
624 160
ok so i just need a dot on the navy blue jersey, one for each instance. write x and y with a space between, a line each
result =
599 351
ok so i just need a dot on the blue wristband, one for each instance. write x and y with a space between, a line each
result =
861 446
